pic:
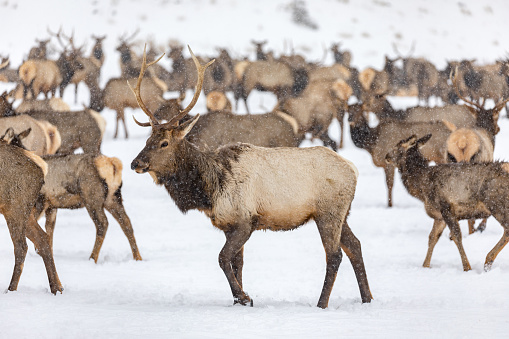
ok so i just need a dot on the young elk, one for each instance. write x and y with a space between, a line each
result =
22 178
453 192
243 188
81 180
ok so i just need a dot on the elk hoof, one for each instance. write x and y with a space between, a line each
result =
487 266
243 301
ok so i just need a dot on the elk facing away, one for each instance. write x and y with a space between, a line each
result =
453 192
81 180
243 188
22 178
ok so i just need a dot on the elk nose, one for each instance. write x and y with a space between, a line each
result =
139 166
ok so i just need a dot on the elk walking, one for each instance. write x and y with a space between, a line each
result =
453 192
243 188
22 178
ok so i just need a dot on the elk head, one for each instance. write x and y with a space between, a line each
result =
165 148
398 154
11 138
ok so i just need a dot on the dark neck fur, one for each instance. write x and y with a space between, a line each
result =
413 172
364 136
199 175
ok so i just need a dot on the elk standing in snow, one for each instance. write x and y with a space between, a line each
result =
243 188
81 180
22 178
453 192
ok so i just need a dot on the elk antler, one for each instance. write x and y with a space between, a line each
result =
174 121
137 92
201 72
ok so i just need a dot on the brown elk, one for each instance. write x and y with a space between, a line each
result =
216 101
243 188
22 178
341 57
220 126
260 54
453 192
379 140
117 96
53 104
220 75
77 129
475 144
7 74
96 182
83 129
317 106
273 76
128 59
183 74
90 70
44 139
40 51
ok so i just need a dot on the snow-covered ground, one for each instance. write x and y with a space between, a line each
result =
178 290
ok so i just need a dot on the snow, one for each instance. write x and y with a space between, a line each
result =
178 290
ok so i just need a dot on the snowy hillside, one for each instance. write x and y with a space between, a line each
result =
179 290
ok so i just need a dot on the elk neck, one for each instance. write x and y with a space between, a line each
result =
413 172
199 175
364 136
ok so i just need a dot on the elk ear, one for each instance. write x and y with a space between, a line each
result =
184 128
450 126
408 142
25 133
423 140
8 136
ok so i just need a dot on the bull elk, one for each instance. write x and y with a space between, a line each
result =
243 188
22 178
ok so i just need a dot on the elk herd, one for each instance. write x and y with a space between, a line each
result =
246 171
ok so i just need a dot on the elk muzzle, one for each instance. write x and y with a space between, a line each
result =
139 166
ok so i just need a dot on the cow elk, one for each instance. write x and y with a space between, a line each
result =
243 188
22 178
453 192
317 106
379 140
96 182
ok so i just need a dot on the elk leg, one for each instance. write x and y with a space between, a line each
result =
330 235
327 141
118 212
352 247
75 93
502 218
122 117
116 126
101 223
341 119
51 217
389 180
237 265
482 225
471 226
40 239
17 232
434 235
490 258
235 240
454 226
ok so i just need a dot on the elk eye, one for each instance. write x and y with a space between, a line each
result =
164 144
